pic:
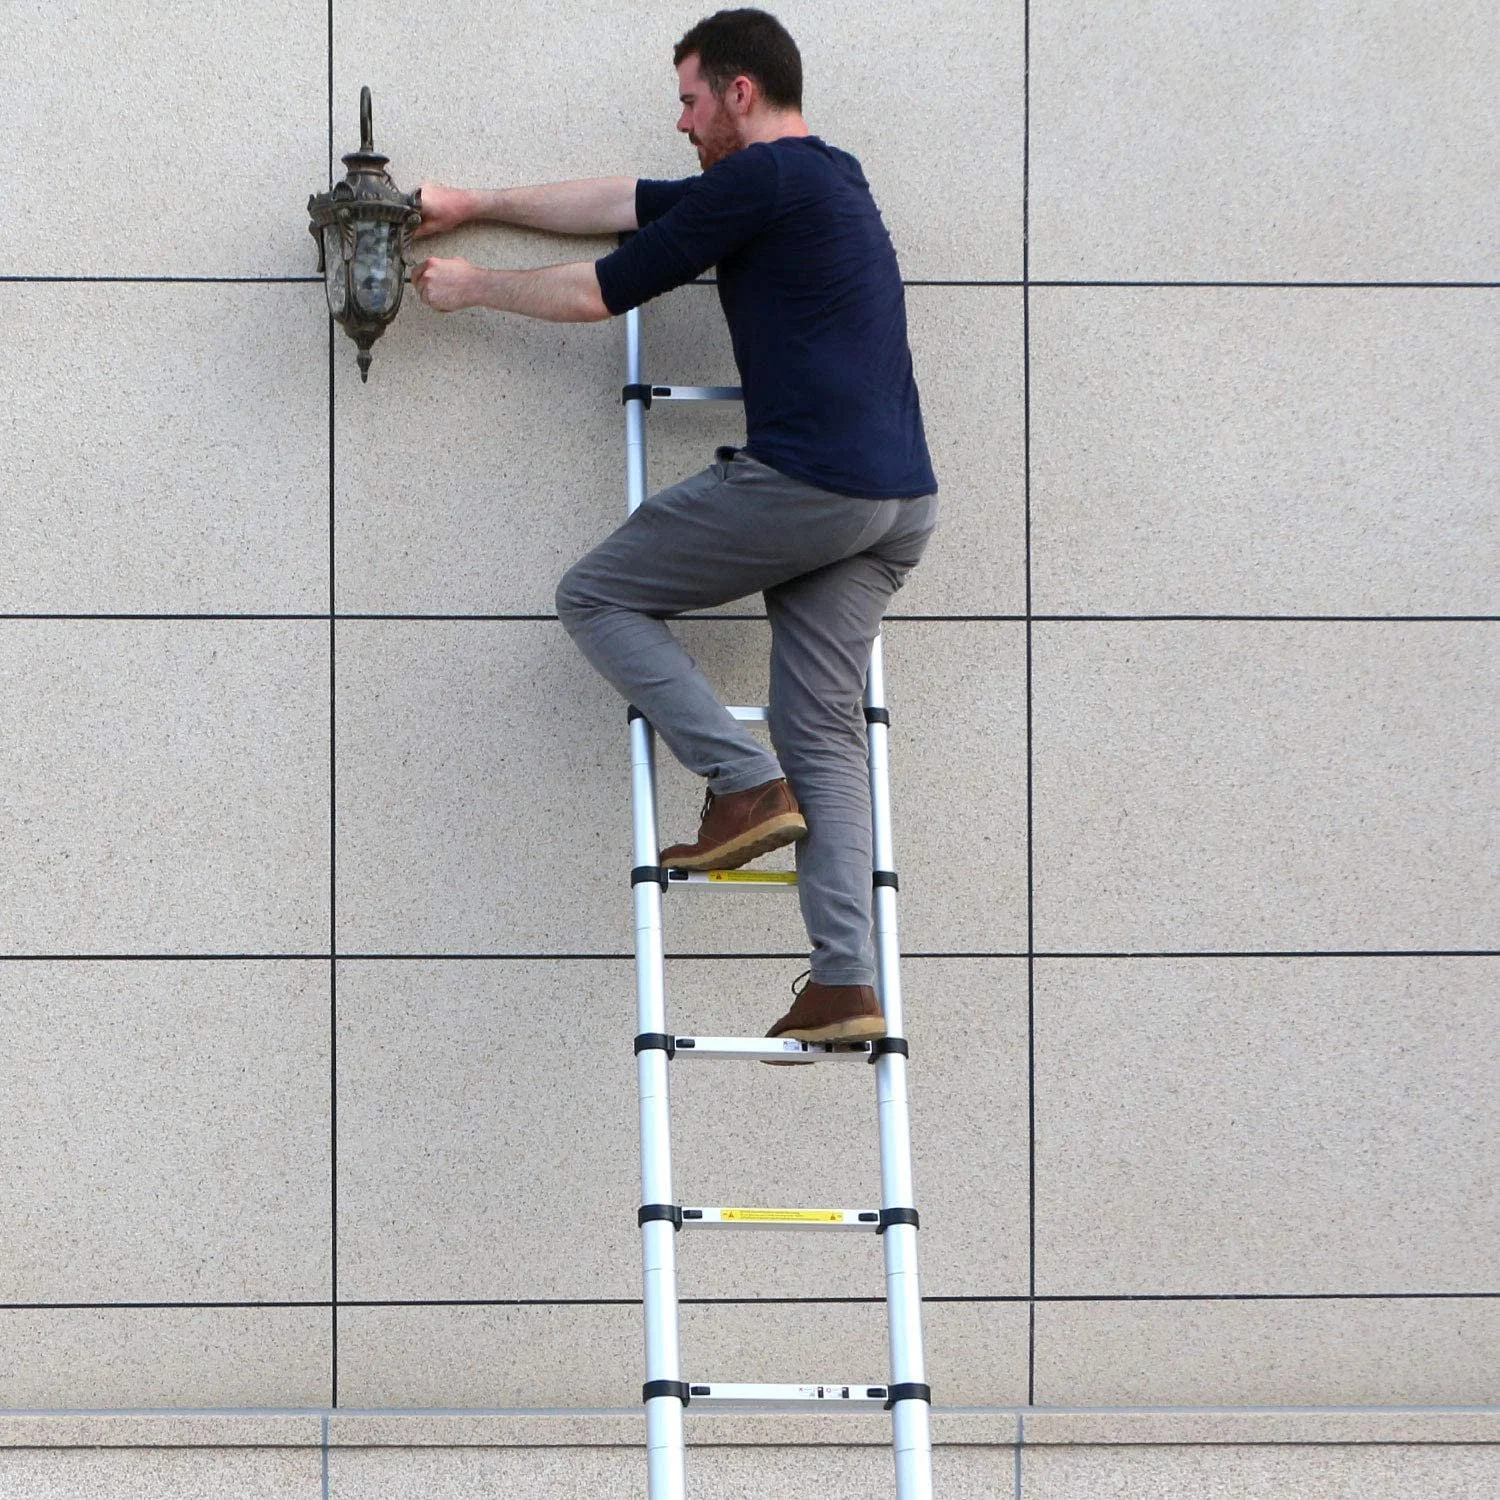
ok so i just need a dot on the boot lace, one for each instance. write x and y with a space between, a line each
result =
800 983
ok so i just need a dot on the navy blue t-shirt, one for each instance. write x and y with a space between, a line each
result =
817 313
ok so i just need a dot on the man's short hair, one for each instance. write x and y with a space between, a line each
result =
749 42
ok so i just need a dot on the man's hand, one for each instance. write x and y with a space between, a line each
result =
448 285
443 209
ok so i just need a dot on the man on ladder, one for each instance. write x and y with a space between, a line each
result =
825 510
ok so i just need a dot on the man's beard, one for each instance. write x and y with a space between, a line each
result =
717 141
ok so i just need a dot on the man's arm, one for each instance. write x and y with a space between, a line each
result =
560 294
595 205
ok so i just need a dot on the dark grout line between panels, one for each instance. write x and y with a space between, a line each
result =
1030 703
894 619
1012 1298
512 958
166 280
957 282
333 834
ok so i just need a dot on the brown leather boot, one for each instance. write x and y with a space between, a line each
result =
738 827
832 1013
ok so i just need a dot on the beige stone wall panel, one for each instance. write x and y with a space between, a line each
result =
1286 787
487 1126
540 1356
720 1473
170 1137
133 1357
1355 1352
1332 141
166 449
1335 1472
156 139
1267 1125
1260 451
162 1473
166 786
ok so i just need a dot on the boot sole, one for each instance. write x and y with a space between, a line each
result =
774 833
859 1029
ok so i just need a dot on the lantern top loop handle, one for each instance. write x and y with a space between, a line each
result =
366 122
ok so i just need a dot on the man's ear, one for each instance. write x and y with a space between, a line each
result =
743 92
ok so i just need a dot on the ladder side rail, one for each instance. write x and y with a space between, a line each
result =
911 1418
665 1454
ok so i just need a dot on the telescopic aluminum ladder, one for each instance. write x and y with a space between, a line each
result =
666 1393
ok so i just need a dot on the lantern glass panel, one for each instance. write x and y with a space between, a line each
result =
335 277
377 268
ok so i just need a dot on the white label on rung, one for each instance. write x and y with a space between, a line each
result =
833 1393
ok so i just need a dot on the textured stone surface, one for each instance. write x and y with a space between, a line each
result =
72 1358
539 1356
187 468
1250 1473
162 1429
1381 1352
163 139
1332 141
166 786
161 1474
952 1428
488 1130
584 1355
1259 451
478 758
171 1132
725 1473
1264 786
1100 1426
1272 1126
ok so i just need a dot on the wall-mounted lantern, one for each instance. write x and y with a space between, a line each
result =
363 228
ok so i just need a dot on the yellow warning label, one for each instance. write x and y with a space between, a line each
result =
755 877
782 1215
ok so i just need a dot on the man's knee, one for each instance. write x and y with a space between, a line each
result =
572 595
815 732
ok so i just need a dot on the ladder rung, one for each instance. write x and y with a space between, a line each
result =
696 393
749 715
781 1049
781 1218
778 1397
767 879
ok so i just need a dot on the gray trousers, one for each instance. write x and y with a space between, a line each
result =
827 566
